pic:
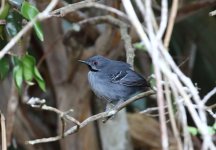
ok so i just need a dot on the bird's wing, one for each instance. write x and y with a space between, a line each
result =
128 78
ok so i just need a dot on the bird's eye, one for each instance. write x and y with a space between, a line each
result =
95 62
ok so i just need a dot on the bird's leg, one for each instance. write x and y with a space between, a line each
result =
111 107
118 104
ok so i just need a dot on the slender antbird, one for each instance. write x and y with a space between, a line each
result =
113 81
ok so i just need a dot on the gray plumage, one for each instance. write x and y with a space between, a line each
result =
112 80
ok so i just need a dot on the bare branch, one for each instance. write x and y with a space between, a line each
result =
172 117
171 23
80 125
123 30
85 4
155 57
38 103
164 18
135 21
209 95
165 66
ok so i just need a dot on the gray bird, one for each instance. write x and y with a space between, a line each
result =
113 81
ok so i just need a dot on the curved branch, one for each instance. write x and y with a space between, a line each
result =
84 4
88 120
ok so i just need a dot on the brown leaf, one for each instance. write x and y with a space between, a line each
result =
145 133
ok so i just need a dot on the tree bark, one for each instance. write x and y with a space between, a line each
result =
69 95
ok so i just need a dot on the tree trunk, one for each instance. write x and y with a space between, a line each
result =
70 95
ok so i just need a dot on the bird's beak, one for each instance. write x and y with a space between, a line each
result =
85 62
92 68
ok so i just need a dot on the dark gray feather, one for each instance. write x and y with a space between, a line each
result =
128 78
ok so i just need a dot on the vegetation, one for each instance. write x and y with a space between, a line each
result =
46 102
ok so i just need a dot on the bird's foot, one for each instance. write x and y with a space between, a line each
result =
112 111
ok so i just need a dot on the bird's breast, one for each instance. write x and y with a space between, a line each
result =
99 85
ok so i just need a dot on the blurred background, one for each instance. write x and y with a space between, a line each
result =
66 40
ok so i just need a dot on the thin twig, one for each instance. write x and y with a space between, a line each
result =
123 30
209 95
152 109
171 23
211 113
212 106
155 57
38 103
209 108
135 21
182 118
183 62
171 115
136 97
84 4
128 46
3 132
164 18
103 19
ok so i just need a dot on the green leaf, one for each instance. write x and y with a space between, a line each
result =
38 30
3 15
4 67
152 79
193 130
211 130
5 10
214 126
3 41
41 84
14 23
15 60
139 46
18 76
39 79
37 74
28 67
25 69
29 12
16 3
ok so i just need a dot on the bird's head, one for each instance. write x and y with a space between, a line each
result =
95 63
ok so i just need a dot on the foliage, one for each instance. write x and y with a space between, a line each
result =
30 12
4 69
3 15
194 131
25 70
66 81
14 23
25 67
